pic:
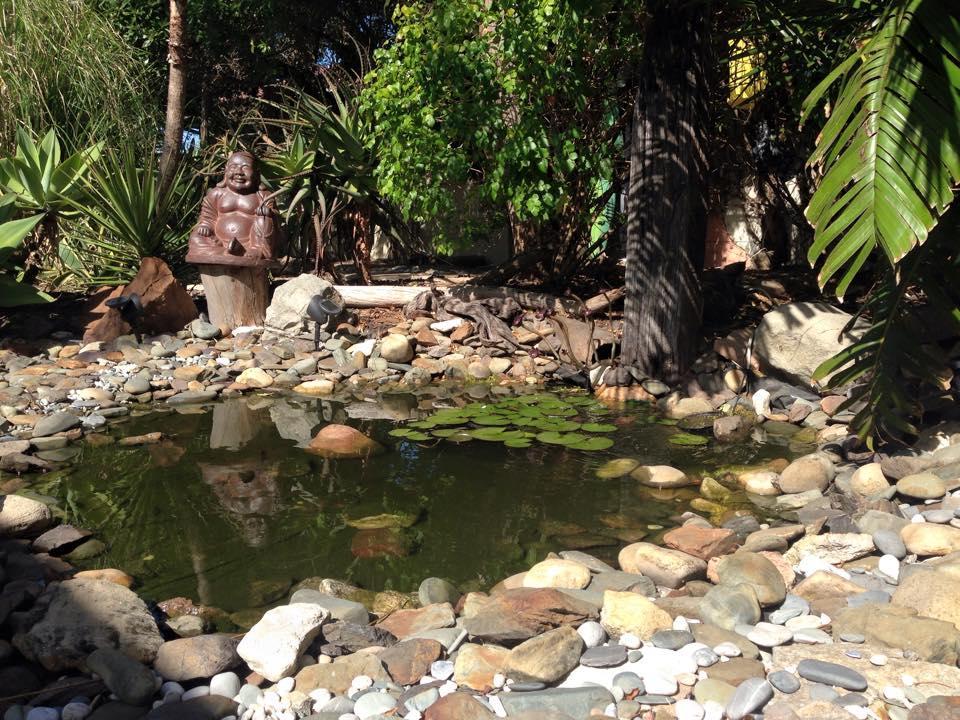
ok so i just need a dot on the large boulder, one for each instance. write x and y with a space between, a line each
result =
792 340
23 516
287 312
167 306
78 616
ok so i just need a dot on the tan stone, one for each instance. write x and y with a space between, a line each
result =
834 548
404 623
558 574
661 476
755 570
626 612
932 594
343 441
760 482
670 568
255 377
338 675
923 486
314 387
869 480
702 542
476 665
896 626
117 577
458 706
930 538
545 658
823 584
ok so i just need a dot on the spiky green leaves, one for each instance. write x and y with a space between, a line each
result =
890 149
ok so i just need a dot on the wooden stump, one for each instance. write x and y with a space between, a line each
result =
236 295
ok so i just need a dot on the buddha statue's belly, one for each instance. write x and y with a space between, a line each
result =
234 225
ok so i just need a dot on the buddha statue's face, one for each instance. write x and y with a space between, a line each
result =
241 173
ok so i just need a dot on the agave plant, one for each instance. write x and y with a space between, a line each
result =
326 168
890 159
129 217
13 291
45 184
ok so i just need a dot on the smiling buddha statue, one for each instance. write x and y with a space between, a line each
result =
238 224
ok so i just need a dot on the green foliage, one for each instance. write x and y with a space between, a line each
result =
519 98
890 149
12 233
324 165
63 66
128 219
890 154
894 355
240 49
40 179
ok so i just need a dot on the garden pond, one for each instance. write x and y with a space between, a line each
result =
231 510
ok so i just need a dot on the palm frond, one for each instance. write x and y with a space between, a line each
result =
890 149
892 358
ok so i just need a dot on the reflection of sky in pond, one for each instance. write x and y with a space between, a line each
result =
230 510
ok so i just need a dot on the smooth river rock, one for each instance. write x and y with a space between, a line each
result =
670 568
273 646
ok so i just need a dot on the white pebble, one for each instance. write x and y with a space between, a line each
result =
879 659
727 650
860 713
499 680
712 710
889 566
321 695
497 706
324 659
918 518
687 709
610 711
895 694
908 680
362 682
681 623
441 669
630 640
592 633
285 686
413 715
447 688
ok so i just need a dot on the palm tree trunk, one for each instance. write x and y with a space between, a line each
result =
666 197
176 88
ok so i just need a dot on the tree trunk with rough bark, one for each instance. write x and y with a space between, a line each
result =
667 199
176 88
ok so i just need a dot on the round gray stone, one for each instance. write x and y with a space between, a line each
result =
831 674
784 681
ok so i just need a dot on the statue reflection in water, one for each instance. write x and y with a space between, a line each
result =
247 489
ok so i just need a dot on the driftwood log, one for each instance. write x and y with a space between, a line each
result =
364 296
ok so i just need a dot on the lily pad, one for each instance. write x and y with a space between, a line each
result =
518 443
598 427
418 436
491 420
494 434
400 432
461 436
593 443
446 432
688 439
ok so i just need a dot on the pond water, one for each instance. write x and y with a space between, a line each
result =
230 510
